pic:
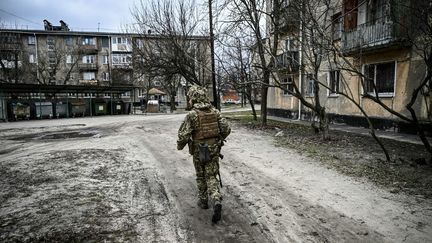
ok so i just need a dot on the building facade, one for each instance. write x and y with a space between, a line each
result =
96 62
369 55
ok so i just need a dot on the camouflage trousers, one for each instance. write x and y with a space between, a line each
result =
206 177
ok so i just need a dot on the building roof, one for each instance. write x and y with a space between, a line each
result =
96 34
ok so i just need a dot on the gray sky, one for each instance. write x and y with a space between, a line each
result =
80 15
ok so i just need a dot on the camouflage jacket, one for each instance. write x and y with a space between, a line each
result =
190 124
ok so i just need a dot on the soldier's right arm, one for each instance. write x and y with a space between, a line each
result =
185 132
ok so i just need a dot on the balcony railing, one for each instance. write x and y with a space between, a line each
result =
288 61
371 36
122 66
88 81
87 66
93 48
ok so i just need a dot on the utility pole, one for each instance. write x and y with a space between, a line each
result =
215 97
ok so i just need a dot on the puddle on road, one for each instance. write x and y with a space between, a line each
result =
57 135
65 135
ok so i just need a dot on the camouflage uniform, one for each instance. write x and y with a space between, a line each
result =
204 124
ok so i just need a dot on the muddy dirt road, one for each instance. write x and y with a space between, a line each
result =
122 179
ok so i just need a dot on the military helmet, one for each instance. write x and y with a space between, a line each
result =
198 94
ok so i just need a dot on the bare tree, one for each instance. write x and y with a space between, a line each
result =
168 46
235 62
248 15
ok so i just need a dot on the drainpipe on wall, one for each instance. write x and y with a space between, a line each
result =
36 56
300 65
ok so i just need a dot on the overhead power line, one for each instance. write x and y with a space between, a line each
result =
19 17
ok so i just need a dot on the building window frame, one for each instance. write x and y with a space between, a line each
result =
310 88
89 41
105 76
89 59
333 82
89 76
69 59
337 26
32 58
288 84
32 40
105 59
69 40
389 90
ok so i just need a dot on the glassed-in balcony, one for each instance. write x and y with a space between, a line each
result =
288 62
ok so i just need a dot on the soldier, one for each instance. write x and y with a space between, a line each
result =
204 130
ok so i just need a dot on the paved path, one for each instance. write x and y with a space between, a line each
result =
403 137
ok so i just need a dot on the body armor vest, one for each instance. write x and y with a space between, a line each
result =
208 126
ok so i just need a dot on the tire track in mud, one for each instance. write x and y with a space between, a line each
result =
257 204
286 215
179 176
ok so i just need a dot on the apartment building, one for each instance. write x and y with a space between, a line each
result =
368 52
79 64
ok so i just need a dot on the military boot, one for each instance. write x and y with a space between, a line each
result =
217 212
203 204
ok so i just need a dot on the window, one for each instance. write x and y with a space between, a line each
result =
68 40
121 58
105 76
88 75
69 59
337 26
88 59
50 43
50 40
114 40
290 44
31 58
105 42
52 58
32 40
310 85
140 43
334 80
380 78
89 41
105 59
287 83
119 40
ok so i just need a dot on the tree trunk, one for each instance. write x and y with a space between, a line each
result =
264 105
249 97
172 103
324 124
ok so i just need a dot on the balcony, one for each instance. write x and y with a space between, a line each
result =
89 49
289 19
87 66
372 36
288 62
88 82
124 66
